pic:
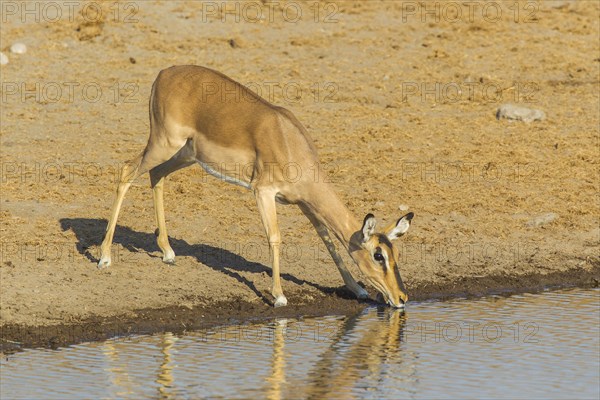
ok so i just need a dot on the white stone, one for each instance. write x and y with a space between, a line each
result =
18 48
516 113
542 220
3 59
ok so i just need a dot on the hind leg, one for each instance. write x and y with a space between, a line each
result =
157 179
129 173
151 157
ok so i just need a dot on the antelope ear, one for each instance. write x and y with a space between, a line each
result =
368 227
401 227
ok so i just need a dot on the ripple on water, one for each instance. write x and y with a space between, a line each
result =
526 346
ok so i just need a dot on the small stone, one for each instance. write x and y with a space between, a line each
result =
558 4
18 48
541 220
3 59
237 43
87 30
402 207
516 113
457 218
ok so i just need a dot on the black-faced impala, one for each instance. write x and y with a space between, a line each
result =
198 115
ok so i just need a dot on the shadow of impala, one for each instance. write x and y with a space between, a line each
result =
90 232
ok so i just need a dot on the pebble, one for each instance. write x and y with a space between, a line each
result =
18 48
516 113
237 43
458 218
3 59
402 207
558 4
542 220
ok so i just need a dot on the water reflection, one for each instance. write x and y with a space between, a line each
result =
360 350
379 353
277 377
165 376
116 371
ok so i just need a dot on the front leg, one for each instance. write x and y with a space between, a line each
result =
349 280
265 200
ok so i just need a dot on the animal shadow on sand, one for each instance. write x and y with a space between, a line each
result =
90 232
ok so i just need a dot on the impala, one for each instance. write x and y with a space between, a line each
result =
198 115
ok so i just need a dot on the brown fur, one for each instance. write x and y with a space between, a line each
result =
200 115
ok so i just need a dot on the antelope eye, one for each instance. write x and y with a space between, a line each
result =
378 257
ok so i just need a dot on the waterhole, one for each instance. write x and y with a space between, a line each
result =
525 346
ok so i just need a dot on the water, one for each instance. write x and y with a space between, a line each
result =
525 346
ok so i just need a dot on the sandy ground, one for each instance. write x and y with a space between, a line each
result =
400 102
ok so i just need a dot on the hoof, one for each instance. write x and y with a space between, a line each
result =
362 293
104 263
170 261
280 301
169 257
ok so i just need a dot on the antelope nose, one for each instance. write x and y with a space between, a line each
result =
399 304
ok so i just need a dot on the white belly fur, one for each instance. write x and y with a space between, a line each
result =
223 177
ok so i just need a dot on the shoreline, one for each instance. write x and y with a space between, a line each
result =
499 207
333 301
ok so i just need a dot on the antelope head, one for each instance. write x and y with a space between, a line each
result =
377 257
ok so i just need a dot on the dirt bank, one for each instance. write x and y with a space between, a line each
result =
331 301
401 105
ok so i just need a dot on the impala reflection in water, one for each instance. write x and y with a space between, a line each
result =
494 347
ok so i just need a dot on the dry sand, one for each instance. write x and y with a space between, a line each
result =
401 107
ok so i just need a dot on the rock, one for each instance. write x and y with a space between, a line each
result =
516 113
541 220
18 48
3 59
237 43
402 207
558 4
88 30
458 218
